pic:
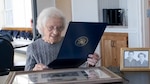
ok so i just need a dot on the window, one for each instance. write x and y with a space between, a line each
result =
17 13
8 13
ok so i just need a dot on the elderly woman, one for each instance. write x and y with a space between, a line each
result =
40 53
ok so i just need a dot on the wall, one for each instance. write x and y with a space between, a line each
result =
85 10
41 4
134 26
66 8
145 20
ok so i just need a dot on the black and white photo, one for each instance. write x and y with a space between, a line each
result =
134 59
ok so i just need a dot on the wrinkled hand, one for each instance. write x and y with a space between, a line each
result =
93 59
39 66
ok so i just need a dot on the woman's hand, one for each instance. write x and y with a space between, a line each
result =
39 66
93 59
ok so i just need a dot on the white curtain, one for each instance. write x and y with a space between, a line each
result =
15 13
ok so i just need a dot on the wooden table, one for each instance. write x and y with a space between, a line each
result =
92 75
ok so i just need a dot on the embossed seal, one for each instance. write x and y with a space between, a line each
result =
81 41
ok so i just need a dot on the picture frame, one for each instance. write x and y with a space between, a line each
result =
64 76
135 59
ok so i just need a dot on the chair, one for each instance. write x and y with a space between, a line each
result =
6 56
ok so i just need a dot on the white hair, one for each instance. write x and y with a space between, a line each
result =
46 14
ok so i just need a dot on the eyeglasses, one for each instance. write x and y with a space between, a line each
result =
51 28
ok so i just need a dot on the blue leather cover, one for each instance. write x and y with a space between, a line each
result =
80 40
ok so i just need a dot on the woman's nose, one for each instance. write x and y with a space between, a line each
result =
55 31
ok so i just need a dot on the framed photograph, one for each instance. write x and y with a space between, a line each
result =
64 76
135 59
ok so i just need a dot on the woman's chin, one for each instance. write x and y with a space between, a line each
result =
53 41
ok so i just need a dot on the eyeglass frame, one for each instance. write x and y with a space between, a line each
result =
51 28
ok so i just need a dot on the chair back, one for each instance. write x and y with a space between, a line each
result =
6 56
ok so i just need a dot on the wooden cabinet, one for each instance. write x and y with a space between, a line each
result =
110 48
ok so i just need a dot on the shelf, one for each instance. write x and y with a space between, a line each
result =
117 26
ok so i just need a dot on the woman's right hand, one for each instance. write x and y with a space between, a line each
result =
39 67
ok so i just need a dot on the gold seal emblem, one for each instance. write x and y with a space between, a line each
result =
81 41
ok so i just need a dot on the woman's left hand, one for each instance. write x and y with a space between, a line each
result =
93 59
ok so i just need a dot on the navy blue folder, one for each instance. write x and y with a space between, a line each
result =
80 40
